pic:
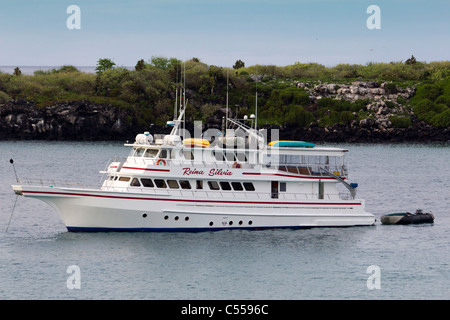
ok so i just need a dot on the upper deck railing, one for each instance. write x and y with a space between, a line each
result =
303 169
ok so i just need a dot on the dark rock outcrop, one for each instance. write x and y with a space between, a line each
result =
78 120
84 120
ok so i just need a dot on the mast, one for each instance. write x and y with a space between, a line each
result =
176 96
179 121
226 116
184 97
256 111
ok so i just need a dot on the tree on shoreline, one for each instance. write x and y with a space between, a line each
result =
17 71
140 65
239 64
104 64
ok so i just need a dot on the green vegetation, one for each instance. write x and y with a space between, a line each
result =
400 121
103 65
333 111
432 103
410 72
150 87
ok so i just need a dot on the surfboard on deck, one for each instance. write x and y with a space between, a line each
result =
292 144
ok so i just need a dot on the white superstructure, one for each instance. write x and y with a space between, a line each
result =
236 181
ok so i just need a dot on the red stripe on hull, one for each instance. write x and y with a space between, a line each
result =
145 169
187 200
286 175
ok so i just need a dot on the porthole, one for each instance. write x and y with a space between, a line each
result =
211 223
250 222
166 217
230 223
240 222
176 218
144 215
186 219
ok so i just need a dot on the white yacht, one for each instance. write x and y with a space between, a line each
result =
236 181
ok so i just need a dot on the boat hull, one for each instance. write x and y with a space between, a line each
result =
97 210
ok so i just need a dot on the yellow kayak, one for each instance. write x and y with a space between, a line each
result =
195 142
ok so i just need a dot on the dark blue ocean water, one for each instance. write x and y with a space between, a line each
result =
330 263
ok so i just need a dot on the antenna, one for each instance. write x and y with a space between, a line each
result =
184 97
176 95
256 111
226 116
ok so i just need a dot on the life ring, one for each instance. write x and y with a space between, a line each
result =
161 162
236 165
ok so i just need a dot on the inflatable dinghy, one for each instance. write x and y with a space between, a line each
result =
407 218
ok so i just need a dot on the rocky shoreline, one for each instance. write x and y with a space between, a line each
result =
76 120
384 104
84 120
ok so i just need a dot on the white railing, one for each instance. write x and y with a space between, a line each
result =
56 183
299 169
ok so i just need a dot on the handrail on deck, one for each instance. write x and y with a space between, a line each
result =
300 169
56 183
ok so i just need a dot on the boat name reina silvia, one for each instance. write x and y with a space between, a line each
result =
212 172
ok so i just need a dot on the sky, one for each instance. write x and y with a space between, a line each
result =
280 32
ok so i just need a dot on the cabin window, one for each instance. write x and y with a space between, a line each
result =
230 156
282 186
148 183
241 156
213 185
249 186
160 183
139 152
163 154
185 184
188 155
237 186
289 159
225 185
173 184
126 179
135 182
199 184
151 153
328 160
219 155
